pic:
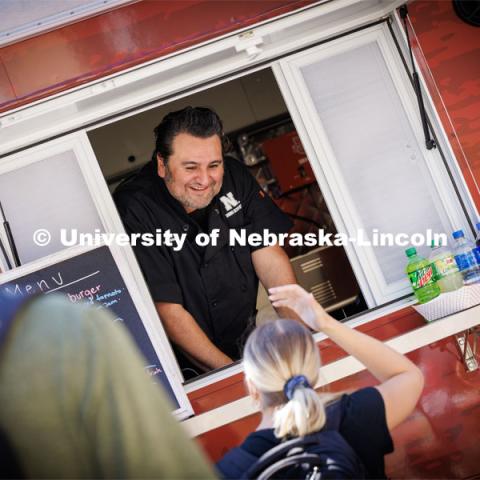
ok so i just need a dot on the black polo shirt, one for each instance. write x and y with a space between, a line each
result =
217 285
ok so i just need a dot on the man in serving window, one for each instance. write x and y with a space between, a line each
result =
205 296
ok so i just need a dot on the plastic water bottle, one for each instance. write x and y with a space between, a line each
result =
476 250
465 258
422 275
449 277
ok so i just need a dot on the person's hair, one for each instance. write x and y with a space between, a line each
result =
274 353
200 122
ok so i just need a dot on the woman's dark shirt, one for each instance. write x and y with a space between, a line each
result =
363 425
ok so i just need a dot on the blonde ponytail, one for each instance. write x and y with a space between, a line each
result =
275 354
303 414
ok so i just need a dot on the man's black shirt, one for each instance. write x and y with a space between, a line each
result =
217 285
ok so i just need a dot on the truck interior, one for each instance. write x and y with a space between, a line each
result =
262 136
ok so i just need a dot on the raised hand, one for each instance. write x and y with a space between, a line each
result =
301 302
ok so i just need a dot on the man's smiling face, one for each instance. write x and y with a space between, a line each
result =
193 173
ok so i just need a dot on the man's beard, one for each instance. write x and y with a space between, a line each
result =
187 203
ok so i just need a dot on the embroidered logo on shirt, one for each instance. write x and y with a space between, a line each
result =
231 204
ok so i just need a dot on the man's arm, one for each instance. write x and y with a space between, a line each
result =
273 269
183 330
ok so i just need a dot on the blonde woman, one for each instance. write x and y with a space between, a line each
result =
281 364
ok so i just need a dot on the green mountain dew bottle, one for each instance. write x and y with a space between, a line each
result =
422 275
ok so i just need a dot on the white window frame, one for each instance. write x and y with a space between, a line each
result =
124 257
321 155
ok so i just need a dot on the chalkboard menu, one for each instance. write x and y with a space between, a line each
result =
94 277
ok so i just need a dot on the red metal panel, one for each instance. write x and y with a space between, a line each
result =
216 443
6 87
384 329
452 51
439 440
120 39
218 394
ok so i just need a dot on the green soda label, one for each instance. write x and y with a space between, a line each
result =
423 277
445 266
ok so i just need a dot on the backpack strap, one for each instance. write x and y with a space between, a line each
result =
292 460
290 449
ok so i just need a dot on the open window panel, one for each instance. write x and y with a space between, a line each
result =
52 194
357 115
333 135
263 137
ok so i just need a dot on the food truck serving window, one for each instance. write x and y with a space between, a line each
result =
333 136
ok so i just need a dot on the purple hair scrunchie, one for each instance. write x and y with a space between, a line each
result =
293 383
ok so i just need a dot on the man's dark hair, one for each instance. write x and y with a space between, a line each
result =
200 122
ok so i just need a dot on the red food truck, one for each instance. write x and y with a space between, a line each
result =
357 117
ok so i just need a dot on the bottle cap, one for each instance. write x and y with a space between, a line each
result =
478 226
457 234
410 252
